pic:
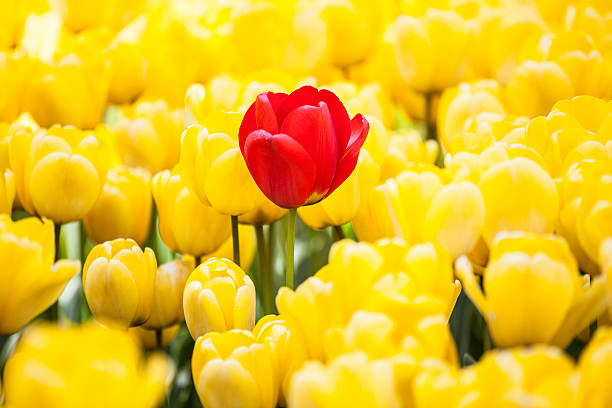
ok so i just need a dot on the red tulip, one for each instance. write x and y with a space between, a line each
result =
300 147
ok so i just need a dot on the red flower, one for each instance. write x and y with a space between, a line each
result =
300 147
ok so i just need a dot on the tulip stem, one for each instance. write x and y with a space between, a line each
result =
339 233
264 270
430 126
235 240
159 339
290 245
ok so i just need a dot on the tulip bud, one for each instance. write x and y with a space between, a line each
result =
218 297
59 172
265 212
284 338
7 192
407 149
118 281
123 210
185 224
350 380
592 366
128 64
231 370
167 305
74 361
30 282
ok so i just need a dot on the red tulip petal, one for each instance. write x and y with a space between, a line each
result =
313 129
348 161
281 167
250 120
342 122
265 117
306 95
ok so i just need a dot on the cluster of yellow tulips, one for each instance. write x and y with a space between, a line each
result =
450 163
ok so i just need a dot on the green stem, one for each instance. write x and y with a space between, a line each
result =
290 245
53 311
271 244
159 338
58 230
338 233
235 240
266 275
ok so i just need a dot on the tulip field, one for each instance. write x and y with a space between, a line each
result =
306 203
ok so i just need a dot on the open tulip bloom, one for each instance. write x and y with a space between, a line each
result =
299 148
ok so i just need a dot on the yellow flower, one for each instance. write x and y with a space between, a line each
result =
518 195
248 245
342 205
534 87
430 50
407 149
283 336
148 338
594 373
112 13
218 297
118 281
123 210
185 224
30 281
167 304
7 192
73 364
148 135
231 369
212 167
534 293
59 172
265 212
350 380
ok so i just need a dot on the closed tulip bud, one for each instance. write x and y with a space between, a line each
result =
148 134
185 224
534 88
455 218
210 163
118 281
290 166
430 50
167 304
377 214
350 380
342 205
518 195
283 336
377 143
594 217
30 282
534 293
128 64
594 375
248 245
123 210
148 338
59 172
407 148
218 297
7 192
70 92
74 363
232 370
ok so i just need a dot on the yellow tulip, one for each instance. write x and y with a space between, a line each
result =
231 369
148 135
464 102
70 92
534 88
265 212
534 293
209 163
218 297
518 195
342 205
539 376
118 281
185 224
248 245
123 210
284 338
455 218
594 374
73 364
148 338
31 282
430 50
7 192
407 148
167 304
350 380
59 172
79 16
377 142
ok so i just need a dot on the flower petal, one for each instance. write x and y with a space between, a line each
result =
348 160
281 167
250 122
306 95
312 128
342 122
